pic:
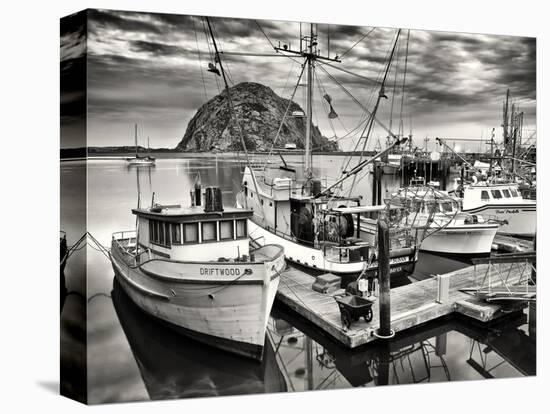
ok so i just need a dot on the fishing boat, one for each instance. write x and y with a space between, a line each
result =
192 268
138 159
174 366
504 202
444 227
319 227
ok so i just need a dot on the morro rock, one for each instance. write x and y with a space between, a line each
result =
260 111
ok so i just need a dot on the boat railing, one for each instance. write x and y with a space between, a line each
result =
131 237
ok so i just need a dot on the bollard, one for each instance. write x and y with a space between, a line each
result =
443 282
385 331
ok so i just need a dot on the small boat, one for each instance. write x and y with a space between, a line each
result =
446 229
191 267
504 202
138 159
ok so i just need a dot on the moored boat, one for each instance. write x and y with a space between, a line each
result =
504 202
138 159
191 267
445 228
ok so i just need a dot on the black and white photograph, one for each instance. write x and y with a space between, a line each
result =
255 206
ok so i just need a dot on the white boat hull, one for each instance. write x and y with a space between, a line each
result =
521 219
228 309
316 260
470 240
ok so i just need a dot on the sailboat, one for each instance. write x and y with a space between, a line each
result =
139 160
320 228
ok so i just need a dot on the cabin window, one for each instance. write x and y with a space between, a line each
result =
485 195
241 229
226 230
176 233
190 233
506 193
209 231
162 233
514 193
496 194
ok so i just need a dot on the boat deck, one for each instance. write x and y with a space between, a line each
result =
411 305
512 244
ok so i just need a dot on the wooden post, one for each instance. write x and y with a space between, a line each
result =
384 276
379 185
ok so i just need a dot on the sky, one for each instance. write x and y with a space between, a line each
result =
150 69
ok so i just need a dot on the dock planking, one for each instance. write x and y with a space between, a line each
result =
411 305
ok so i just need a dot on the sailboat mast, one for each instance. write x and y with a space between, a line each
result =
309 109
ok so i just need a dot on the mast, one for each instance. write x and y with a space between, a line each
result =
148 149
311 55
309 109
135 137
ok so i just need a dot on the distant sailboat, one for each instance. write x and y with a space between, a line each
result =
138 160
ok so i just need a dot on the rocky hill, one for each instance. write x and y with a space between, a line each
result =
260 111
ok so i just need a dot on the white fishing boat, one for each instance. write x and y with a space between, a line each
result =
319 227
444 227
191 267
504 202
138 159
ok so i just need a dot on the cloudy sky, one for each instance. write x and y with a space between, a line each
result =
150 69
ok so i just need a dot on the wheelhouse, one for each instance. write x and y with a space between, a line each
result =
184 233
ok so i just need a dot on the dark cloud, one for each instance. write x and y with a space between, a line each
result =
153 67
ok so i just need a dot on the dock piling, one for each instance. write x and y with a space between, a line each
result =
385 330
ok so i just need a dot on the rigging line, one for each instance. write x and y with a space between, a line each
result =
404 79
380 95
265 35
324 104
356 43
232 108
349 72
359 103
394 87
290 101
210 52
200 60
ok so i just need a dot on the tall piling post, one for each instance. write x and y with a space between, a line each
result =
385 331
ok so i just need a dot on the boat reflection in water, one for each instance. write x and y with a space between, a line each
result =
313 361
174 366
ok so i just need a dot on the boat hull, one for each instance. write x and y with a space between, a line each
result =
521 219
229 313
466 240
401 262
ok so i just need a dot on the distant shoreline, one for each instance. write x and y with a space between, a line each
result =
95 154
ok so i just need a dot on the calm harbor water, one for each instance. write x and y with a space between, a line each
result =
133 357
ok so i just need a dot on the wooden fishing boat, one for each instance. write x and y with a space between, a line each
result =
191 267
173 366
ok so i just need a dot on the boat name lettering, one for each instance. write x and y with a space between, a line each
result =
217 271
506 211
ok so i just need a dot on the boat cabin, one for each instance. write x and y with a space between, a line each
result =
482 194
184 233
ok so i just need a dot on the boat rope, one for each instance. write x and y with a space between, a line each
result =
281 124
200 59
401 129
356 43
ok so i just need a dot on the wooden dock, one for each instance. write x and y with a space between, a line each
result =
411 305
